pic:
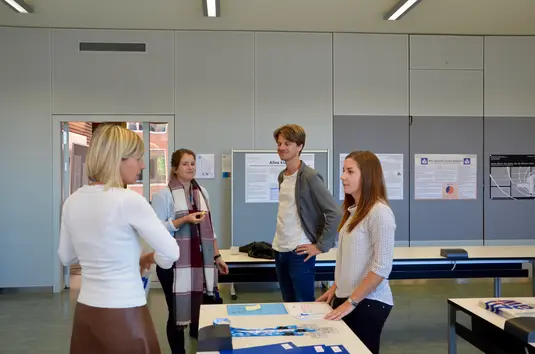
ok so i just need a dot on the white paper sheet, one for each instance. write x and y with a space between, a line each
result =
205 166
392 165
261 173
445 176
308 310
226 165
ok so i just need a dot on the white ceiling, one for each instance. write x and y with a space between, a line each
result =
430 16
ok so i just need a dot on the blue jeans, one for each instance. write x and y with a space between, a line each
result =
296 277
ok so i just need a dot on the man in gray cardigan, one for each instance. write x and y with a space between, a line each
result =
307 219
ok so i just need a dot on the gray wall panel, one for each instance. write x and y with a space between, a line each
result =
379 134
508 220
447 221
293 84
27 254
215 106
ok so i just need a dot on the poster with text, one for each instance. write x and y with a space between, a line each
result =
445 176
261 176
512 177
392 165
205 166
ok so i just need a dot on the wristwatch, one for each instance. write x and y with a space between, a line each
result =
352 302
216 257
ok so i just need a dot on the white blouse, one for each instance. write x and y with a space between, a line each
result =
368 247
101 230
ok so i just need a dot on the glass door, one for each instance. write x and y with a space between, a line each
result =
75 135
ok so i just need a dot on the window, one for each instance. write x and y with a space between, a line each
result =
157 167
153 127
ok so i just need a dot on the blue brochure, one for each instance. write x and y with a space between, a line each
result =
278 348
256 309
335 349
323 349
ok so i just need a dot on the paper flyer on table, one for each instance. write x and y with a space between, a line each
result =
308 311
508 308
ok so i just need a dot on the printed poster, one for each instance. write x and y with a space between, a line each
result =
512 177
392 165
261 176
445 176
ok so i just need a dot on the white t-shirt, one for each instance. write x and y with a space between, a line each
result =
100 229
289 233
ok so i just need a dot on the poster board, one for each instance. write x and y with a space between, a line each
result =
254 191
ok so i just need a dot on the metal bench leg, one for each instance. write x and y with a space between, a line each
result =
533 277
452 335
233 292
497 287
67 277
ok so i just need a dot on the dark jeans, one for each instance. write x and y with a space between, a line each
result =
175 334
296 277
367 321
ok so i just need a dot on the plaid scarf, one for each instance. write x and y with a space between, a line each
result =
195 272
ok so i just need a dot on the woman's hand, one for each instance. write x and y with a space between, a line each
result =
327 296
196 218
221 266
340 312
145 261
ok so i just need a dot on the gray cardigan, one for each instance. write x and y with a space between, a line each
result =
316 207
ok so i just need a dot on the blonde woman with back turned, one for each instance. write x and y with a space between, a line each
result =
101 228
361 295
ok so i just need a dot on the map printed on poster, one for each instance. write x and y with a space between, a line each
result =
441 176
261 176
512 177
392 165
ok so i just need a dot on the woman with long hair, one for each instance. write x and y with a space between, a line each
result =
184 209
101 226
361 294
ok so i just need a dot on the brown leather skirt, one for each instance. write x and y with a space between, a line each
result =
113 331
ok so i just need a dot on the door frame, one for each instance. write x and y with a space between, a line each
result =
57 168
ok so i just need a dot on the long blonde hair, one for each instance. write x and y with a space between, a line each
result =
110 144
372 188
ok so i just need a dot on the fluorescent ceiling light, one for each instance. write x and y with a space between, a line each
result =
211 8
19 6
400 9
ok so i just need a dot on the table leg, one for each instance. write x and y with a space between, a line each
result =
452 336
497 287
233 292
533 277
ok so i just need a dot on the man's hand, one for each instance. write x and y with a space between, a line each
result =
309 250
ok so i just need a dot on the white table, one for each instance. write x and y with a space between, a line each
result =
471 307
344 335
409 263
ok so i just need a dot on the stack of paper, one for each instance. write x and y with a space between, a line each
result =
308 310
289 348
508 308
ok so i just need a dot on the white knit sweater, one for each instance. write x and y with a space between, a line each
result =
368 247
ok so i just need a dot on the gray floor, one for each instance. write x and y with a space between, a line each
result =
37 323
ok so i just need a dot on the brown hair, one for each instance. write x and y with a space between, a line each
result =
178 155
372 188
291 132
